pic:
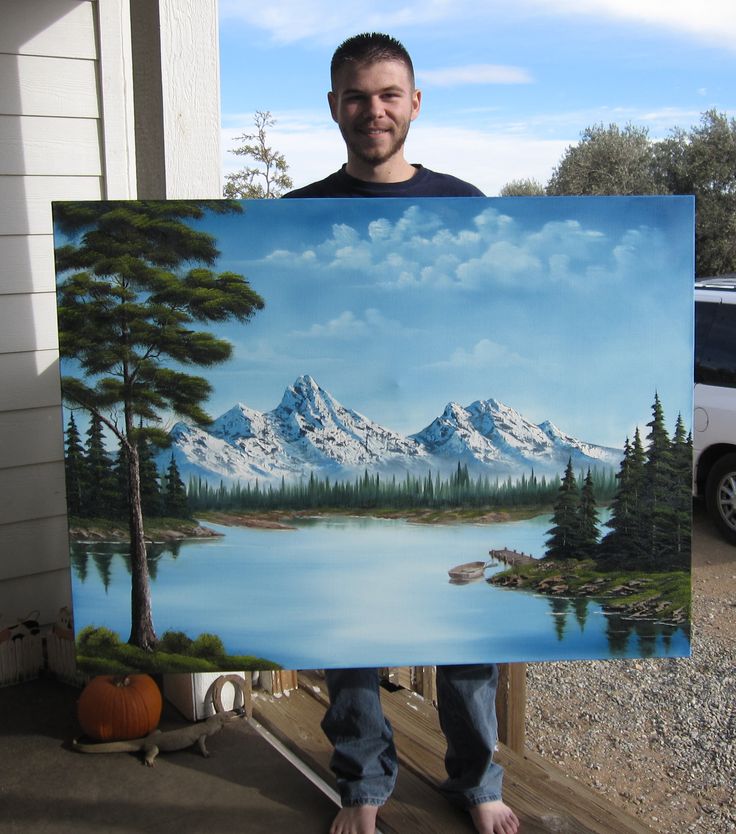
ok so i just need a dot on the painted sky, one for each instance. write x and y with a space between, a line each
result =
573 310
507 86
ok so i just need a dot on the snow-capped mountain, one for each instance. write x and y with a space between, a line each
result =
488 435
311 432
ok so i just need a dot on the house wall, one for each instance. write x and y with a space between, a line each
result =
49 149
68 132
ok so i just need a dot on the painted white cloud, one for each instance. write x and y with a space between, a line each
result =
349 326
483 354
474 74
493 250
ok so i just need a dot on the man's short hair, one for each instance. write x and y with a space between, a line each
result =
368 48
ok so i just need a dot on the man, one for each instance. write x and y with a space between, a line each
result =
374 101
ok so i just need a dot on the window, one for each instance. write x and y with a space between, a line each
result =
715 344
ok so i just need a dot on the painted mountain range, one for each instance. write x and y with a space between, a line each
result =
311 432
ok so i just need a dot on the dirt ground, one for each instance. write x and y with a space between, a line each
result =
714 578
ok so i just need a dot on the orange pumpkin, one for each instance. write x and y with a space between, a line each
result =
118 707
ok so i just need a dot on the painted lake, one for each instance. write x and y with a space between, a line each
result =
354 591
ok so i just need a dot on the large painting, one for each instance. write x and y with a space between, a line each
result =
326 433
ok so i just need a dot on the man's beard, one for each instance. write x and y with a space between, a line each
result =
376 156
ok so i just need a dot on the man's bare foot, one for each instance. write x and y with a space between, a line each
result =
358 819
494 818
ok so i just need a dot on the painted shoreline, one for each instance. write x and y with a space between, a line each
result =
99 530
629 594
279 519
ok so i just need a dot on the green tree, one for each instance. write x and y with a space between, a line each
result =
563 541
699 161
587 519
657 508
702 161
151 501
74 466
268 178
608 160
616 544
682 463
120 472
132 282
99 478
527 187
175 503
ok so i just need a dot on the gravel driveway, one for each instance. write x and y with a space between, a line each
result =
657 737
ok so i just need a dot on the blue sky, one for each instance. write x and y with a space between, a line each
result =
507 86
573 310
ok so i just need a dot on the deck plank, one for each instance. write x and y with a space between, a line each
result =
543 797
414 806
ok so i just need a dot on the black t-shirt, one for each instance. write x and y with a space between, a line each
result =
424 183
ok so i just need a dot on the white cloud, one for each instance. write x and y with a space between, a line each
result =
484 354
489 154
348 326
418 250
287 21
710 20
474 74
488 159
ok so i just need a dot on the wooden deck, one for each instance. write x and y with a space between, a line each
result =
542 796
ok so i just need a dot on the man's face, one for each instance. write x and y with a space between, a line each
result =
374 104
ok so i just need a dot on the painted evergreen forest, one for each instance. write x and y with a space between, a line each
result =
650 500
651 512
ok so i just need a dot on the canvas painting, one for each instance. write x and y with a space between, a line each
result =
376 432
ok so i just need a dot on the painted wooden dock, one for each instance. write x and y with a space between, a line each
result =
512 557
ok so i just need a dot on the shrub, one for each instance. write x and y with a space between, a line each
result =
93 640
208 646
175 642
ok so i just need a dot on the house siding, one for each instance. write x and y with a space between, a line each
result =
50 149
68 132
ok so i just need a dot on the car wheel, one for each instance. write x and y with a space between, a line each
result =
720 496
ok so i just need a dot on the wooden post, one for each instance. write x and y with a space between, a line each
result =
279 682
426 683
511 705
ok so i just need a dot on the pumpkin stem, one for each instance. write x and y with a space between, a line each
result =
121 680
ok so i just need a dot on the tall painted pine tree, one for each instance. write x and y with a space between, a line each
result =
563 541
134 281
74 464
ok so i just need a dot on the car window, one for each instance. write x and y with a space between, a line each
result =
715 344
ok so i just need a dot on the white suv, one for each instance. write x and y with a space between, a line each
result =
714 435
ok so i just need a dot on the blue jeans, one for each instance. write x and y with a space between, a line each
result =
364 760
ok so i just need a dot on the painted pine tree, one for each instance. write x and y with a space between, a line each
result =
658 507
99 478
175 503
151 499
624 543
74 464
682 456
587 520
563 541
133 282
